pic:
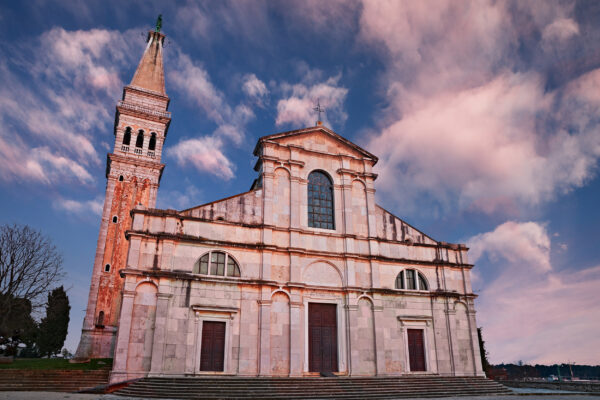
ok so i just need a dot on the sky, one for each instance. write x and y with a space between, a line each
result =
485 116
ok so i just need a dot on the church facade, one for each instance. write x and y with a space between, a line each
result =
301 275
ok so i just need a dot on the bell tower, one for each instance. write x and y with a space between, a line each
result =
133 172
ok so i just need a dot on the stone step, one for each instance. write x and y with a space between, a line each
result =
311 388
398 387
253 393
51 380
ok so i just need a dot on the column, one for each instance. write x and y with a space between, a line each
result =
296 337
378 326
119 372
160 325
264 354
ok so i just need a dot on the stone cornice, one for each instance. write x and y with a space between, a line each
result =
188 276
289 250
173 213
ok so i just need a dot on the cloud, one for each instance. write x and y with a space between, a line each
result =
205 153
255 89
560 30
516 243
193 81
242 20
296 108
38 164
180 200
80 208
56 94
555 311
467 126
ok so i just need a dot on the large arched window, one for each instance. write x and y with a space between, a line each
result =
217 263
411 279
152 143
127 136
320 201
139 142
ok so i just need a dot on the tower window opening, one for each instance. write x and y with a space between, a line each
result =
152 143
100 320
107 268
115 219
139 142
127 136
120 178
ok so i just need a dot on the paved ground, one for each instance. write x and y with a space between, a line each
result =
528 394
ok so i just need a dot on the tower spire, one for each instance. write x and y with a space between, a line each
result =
150 74
133 173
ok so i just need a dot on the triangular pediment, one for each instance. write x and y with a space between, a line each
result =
319 139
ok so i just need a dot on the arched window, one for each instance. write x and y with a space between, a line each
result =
152 144
127 136
139 142
320 201
411 279
217 263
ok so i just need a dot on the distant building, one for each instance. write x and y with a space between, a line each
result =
302 274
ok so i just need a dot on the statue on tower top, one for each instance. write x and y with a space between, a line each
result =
158 23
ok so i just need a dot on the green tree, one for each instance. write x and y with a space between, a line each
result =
29 264
484 361
17 326
53 328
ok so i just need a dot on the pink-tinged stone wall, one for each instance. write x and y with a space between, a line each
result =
245 208
141 337
363 339
286 265
280 334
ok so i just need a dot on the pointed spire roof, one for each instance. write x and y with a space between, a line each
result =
150 74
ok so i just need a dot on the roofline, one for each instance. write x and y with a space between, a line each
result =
313 129
219 200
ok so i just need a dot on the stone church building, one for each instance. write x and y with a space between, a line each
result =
303 274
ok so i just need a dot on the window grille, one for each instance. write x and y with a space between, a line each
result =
217 263
410 279
320 201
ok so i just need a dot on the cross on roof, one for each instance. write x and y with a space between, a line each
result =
319 110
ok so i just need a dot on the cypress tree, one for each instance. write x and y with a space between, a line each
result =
53 328
484 361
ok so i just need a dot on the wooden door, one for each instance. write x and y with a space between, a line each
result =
322 337
212 352
416 350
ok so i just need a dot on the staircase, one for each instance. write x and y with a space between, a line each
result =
51 380
312 388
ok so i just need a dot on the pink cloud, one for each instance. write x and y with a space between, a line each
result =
514 242
462 128
255 89
296 107
38 164
205 153
80 208
530 311
559 31
194 82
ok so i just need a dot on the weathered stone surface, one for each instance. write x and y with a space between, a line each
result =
157 296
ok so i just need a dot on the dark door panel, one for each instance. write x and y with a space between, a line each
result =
416 350
322 337
212 352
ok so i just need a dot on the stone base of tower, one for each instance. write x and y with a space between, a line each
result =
96 343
